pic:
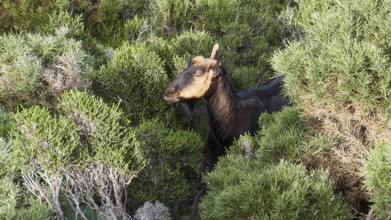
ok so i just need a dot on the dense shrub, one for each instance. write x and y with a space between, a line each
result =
173 157
344 48
282 136
35 210
105 20
378 169
135 77
8 190
102 19
242 188
285 135
15 201
170 16
89 153
24 15
37 68
5 123
339 72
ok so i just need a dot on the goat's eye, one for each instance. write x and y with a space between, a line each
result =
198 74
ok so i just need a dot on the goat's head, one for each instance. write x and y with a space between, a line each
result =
197 79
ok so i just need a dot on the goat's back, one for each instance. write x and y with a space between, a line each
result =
268 98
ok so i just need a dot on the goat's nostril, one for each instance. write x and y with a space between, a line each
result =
170 91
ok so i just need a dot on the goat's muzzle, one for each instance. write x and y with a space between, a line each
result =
171 95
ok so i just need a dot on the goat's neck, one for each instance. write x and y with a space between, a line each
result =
223 102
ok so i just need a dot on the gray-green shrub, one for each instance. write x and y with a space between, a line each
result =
377 179
343 57
88 152
37 68
242 188
15 201
8 190
282 136
338 71
5 123
135 77
173 156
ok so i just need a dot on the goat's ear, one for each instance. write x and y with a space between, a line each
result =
219 62
189 64
218 65
215 50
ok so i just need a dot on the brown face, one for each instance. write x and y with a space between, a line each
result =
192 83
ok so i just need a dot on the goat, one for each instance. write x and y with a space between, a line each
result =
230 114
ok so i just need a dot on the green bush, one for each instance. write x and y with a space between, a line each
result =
89 153
63 18
173 157
37 68
282 135
170 17
338 71
138 29
191 43
343 58
35 210
135 77
177 51
378 179
5 123
105 20
15 201
8 197
20 69
241 188
24 16
8 190
251 182
188 45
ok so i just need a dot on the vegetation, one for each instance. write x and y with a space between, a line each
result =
378 181
260 176
174 161
86 134
337 69
88 153
248 189
36 68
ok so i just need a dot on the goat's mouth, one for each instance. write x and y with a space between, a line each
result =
172 98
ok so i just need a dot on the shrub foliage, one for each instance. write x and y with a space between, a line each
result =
338 71
88 152
260 178
36 68
173 157
378 179
248 189
343 57
92 158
